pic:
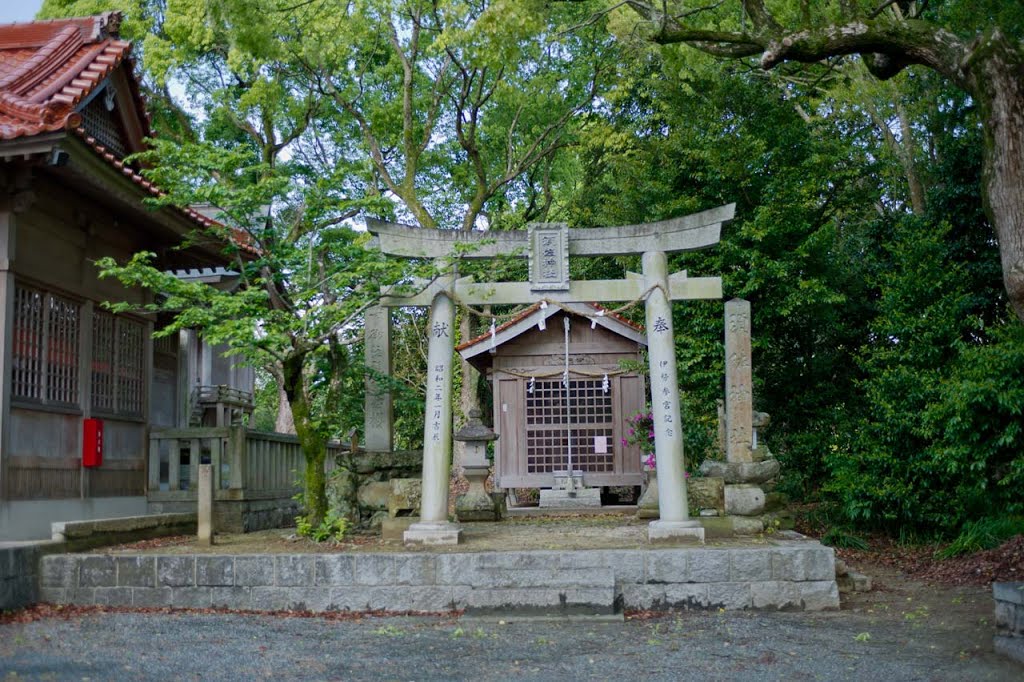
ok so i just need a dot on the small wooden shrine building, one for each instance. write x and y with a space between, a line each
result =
545 426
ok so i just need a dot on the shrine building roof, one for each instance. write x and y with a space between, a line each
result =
528 317
49 68
50 73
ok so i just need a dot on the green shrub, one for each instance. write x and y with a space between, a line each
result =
333 527
983 534
840 537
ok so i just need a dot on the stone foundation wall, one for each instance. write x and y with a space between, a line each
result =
81 535
797 576
20 564
1009 639
359 486
238 516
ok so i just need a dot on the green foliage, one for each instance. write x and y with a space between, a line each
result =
842 537
882 347
982 534
940 441
332 527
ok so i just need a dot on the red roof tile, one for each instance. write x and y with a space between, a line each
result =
526 312
47 68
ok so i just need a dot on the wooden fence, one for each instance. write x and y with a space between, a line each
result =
246 464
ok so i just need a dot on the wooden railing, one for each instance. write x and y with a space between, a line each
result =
246 464
229 404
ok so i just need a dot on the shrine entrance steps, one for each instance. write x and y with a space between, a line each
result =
787 572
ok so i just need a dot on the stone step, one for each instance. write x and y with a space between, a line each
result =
538 589
541 602
853 582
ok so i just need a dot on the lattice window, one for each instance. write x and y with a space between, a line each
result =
551 418
27 360
130 393
63 322
102 362
118 365
104 125
166 345
44 347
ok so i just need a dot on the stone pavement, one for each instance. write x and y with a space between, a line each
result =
696 645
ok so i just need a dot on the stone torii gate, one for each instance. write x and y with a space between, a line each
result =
549 245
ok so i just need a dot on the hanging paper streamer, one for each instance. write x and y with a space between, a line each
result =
605 384
543 324
529 386
565 378
493 329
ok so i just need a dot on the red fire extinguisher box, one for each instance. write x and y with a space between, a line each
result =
92 442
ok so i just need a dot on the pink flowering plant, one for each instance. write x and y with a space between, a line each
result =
640 432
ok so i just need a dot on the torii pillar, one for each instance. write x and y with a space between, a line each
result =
434 528
674 521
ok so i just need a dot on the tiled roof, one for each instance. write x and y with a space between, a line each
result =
47 68
526 312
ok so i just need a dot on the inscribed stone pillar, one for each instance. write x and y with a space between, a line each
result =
204 511
739 408
433 526
668 432
377 413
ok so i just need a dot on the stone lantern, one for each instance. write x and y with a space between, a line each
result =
476 504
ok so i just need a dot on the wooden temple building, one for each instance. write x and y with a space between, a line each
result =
71 372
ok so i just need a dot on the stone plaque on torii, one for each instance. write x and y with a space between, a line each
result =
549 247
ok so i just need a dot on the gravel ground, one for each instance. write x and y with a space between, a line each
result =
693 645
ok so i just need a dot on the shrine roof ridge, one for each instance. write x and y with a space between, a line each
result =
683 233
604 317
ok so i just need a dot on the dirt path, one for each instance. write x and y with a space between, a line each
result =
958 619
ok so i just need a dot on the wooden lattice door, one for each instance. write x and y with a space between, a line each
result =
581 423
534 429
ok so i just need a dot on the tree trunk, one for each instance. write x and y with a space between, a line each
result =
906 155
284 423
1000 94
314 446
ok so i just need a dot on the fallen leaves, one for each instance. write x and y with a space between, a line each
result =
1002 564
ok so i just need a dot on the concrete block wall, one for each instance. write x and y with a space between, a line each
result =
1009 602
18 572
798 577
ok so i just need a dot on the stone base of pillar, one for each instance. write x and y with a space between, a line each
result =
675 531
433 533
744 499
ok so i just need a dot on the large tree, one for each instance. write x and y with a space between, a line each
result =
976 45
459 107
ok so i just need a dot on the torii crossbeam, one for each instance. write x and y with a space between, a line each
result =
549 246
